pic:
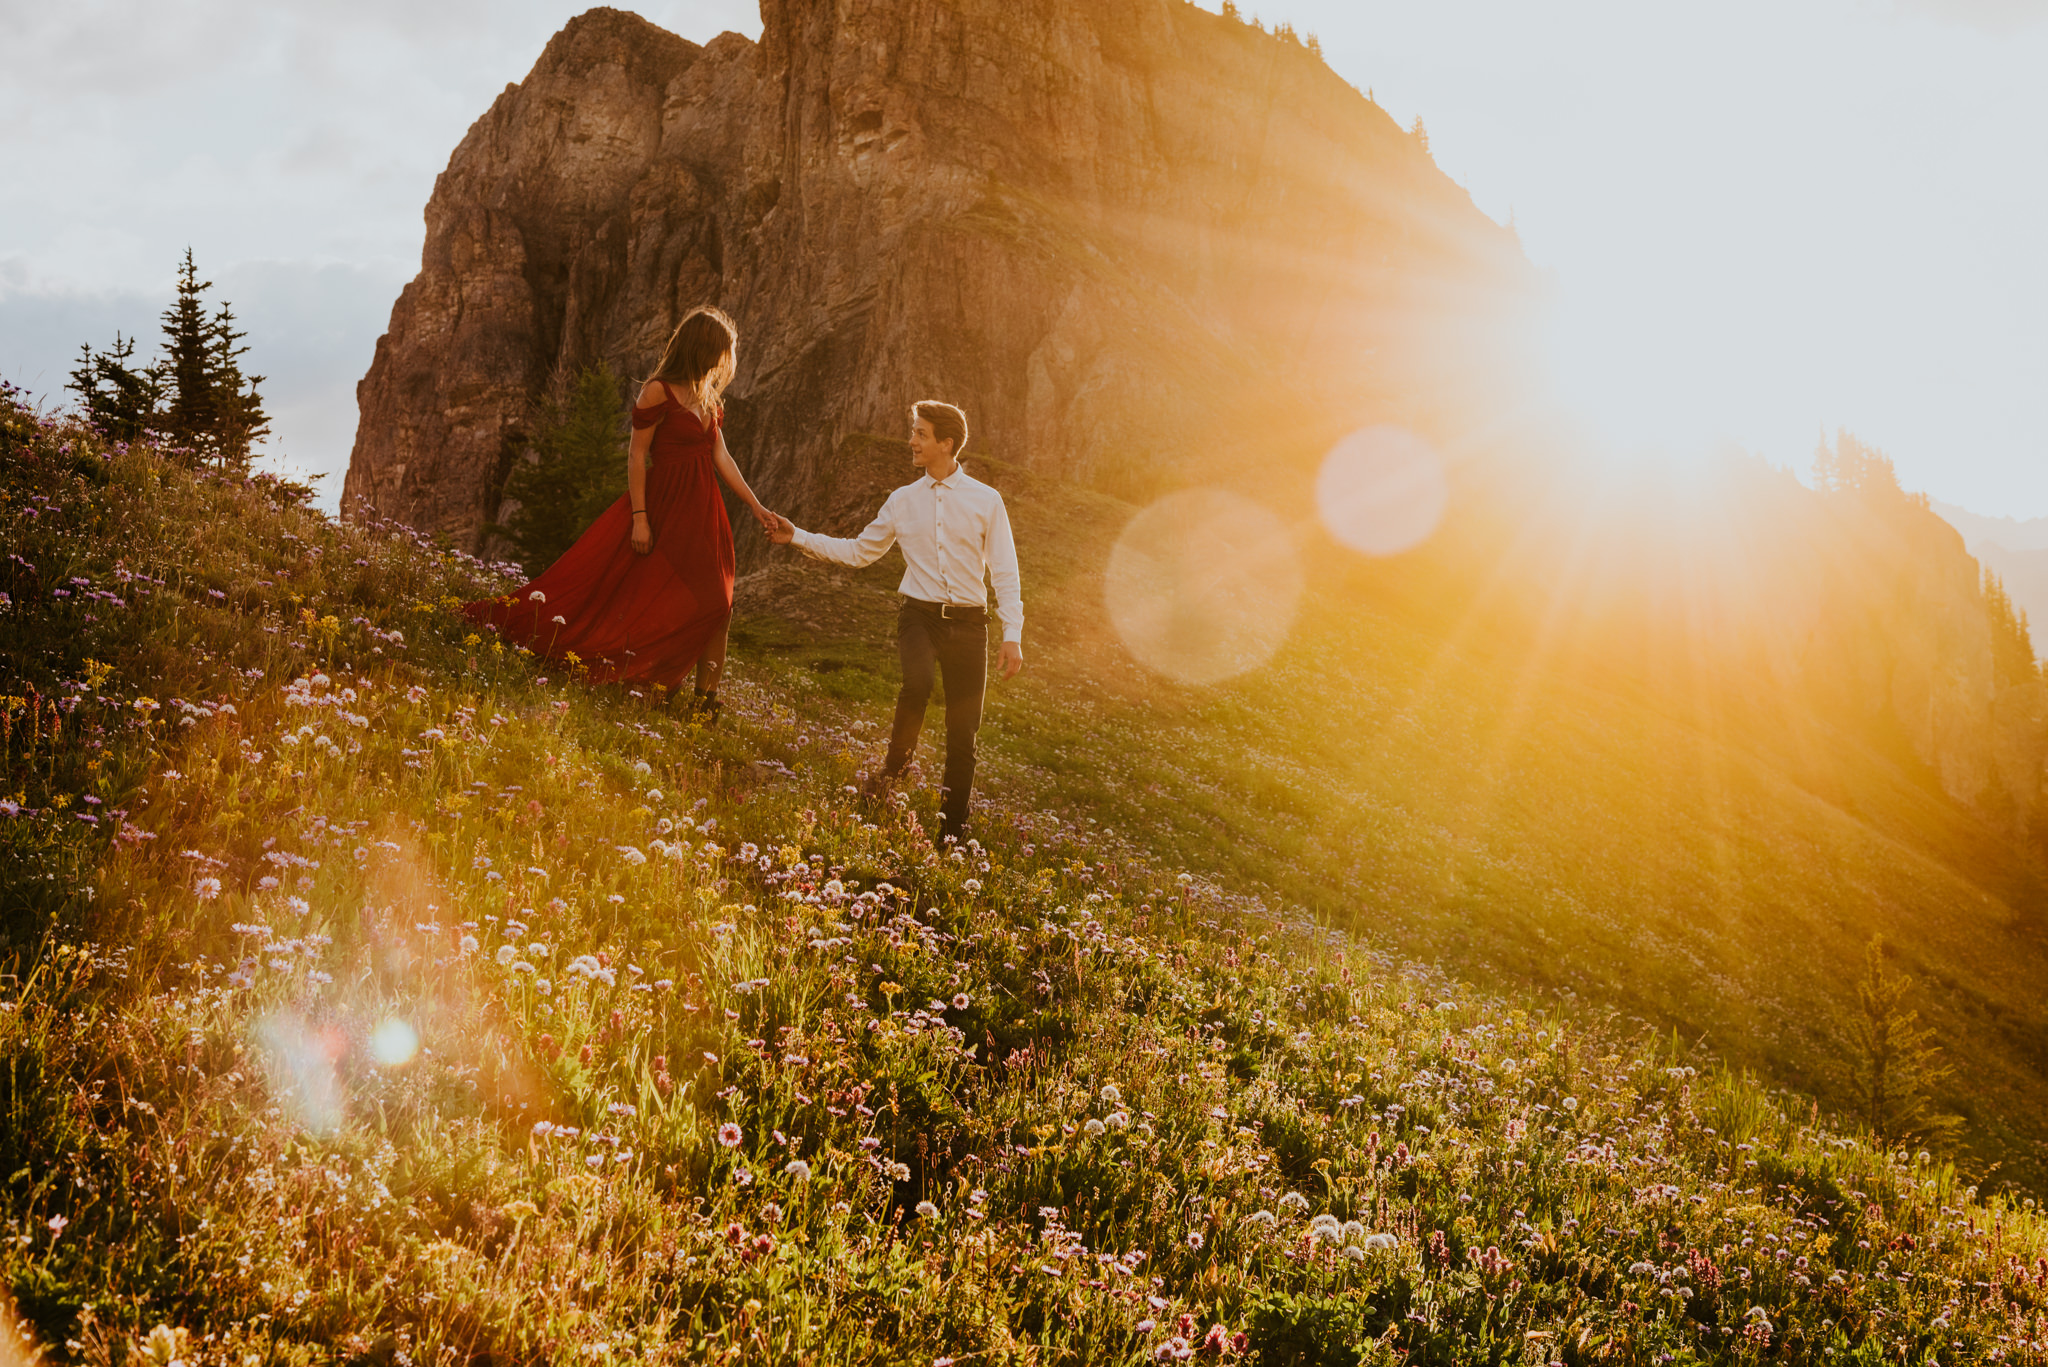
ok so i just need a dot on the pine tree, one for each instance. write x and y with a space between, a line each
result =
572 467
1853 467
1315 45
2012 643
211 411
1420 134
239 419
1230 11
118 398
189 416
1894 1060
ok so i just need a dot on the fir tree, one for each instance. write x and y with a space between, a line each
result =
572 467
239 419
1852 467
1420 134
1230 11
189 416
211 411
2012 643
1894 1059
117 397
1315 45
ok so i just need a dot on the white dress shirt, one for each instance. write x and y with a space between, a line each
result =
953 532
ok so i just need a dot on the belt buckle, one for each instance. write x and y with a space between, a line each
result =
945 612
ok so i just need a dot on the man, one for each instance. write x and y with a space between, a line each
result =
953 530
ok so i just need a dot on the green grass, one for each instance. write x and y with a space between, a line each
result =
1530 821
1127 1093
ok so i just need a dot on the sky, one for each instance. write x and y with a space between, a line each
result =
1763 219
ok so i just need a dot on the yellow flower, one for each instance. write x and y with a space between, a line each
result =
521 1210
891 989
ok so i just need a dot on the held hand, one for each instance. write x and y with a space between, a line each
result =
784 531
1012 660
643 535
765 518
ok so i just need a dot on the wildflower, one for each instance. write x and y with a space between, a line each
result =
772 1213
1094 1128
521 1210
1261 1219
1570 1103
594 1162
1326 1228
506 954
206 889
1354 1253
730 1135
1116 1120
559 620
1294 1201
1110 1095
537 597
57 1223
469 945
631 855
797 1168
1194 1238
544 987
1381 1243
927 1211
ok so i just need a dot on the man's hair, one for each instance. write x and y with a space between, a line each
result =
946 420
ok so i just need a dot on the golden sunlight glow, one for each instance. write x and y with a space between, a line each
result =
1203 585
1382 491
394 1043
1636 383
300 1059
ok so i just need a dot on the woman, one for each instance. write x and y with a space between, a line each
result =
646 593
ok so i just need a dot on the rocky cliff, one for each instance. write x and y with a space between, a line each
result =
1124 234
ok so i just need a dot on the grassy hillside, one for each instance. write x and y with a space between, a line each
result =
375 995
1524 822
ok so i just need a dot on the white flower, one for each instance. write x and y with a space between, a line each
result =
1110 1095
1261 1218
560 621
654 794
961 1001
641 766
1094 1128
537 597
927 1211
1116 1120
206 889
1354 1253
1570 1103
631 855
506 954
1294 1201
469 944
544 987
797 1168
1381 1242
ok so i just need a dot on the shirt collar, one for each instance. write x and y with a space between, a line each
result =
959 469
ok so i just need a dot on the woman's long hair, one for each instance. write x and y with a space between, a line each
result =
699 356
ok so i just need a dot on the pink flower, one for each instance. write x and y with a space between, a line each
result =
730 1135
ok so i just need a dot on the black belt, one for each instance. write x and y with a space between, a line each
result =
951 612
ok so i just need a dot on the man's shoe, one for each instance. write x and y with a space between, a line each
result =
875 789
705 707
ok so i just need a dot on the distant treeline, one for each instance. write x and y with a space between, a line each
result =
193 398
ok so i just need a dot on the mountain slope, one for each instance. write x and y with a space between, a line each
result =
398 1002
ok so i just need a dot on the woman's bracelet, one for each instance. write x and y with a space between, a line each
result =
639 512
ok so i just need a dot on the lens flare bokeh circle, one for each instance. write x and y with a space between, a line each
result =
1202 585
1382 490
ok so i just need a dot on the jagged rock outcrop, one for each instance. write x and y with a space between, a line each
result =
1122 233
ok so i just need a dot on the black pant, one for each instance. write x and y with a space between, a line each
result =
959 647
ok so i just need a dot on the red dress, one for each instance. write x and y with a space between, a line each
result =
629 616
